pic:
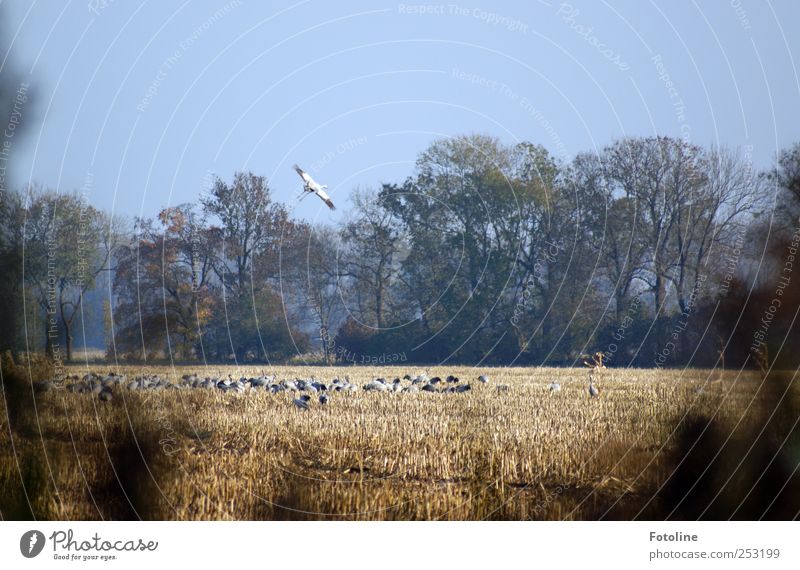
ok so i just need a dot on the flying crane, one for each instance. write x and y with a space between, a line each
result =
312 186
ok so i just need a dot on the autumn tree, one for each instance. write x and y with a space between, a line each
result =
460 215
249 314
188 258
67 245
316 282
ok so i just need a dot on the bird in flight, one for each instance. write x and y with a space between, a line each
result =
310 185
302 402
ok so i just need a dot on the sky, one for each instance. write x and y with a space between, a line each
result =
139 105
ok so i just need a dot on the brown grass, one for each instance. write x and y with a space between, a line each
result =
521 454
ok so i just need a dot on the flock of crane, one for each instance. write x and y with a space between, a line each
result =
305 392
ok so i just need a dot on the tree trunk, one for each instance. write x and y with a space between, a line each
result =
379 305
620 305
326 344
67 322
658 298
68 338
48 343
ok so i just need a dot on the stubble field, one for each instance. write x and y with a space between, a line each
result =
521 453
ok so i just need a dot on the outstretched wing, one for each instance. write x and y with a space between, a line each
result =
325 198
303 174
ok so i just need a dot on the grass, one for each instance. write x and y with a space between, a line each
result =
522 454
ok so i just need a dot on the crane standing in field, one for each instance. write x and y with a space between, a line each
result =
594 365
312 186
593 390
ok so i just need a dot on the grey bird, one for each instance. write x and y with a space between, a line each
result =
302 402
483 379
323 399
313 187
555 386
259 382
594 391
378 385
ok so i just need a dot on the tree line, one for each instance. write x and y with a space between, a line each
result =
653 250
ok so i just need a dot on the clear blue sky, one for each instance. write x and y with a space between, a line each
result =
149 98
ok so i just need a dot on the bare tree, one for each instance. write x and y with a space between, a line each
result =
372 257
710 217
318 284
660 176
